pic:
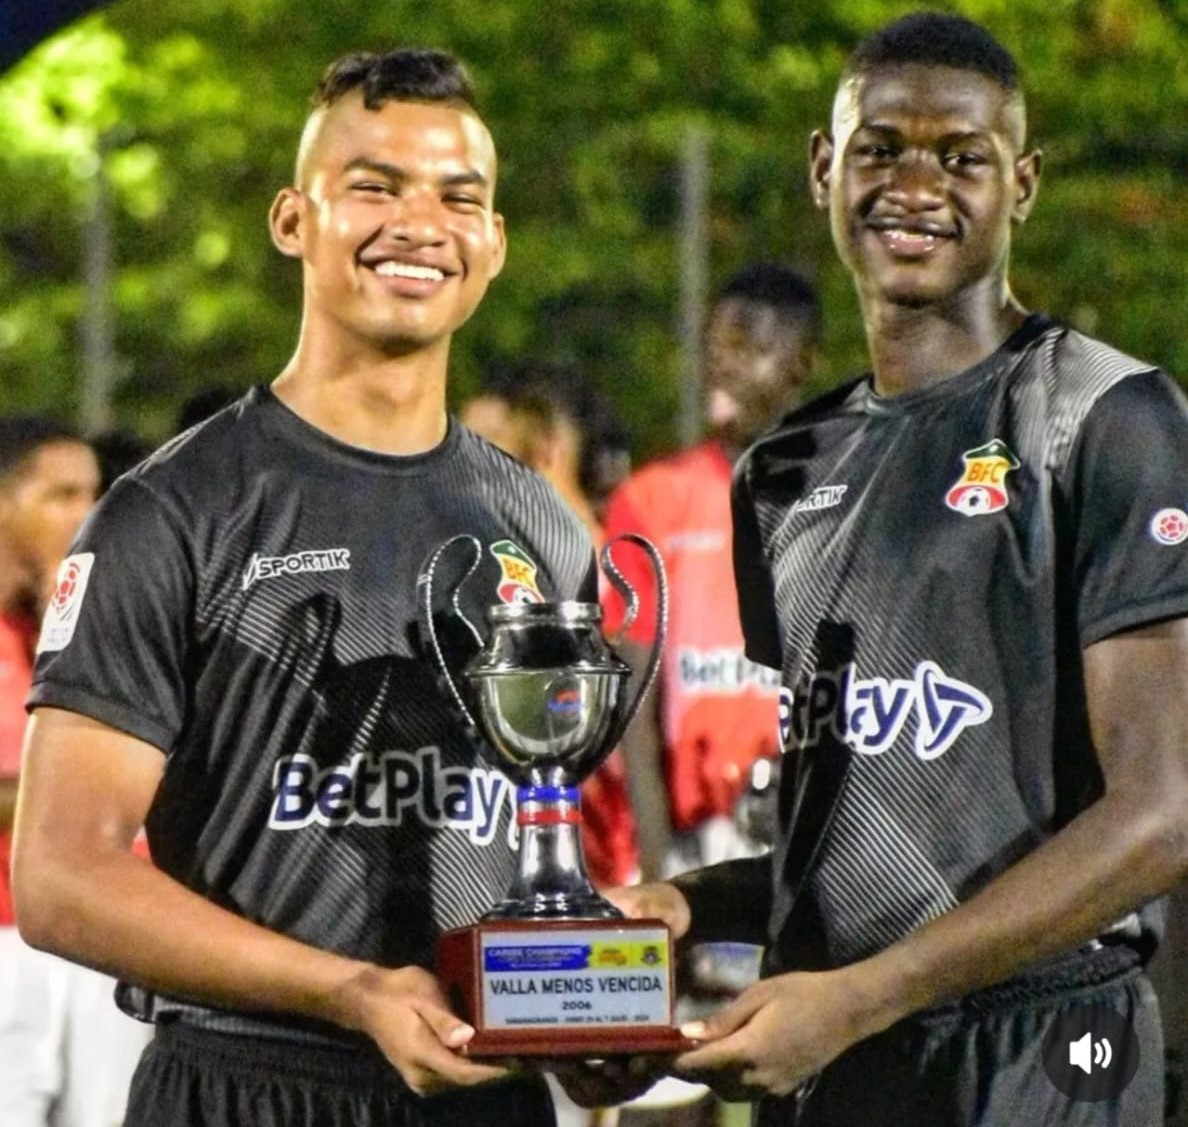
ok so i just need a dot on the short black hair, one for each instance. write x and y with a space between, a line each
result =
936 39
21 436
118 449
408 74
202 404
791 294
547 391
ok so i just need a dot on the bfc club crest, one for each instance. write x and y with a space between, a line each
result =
981 488
517 583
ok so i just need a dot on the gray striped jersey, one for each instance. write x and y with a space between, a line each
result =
925 571
250 608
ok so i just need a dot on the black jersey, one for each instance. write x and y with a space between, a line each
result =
925 570
246 601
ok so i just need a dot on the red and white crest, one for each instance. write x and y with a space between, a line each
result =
61 616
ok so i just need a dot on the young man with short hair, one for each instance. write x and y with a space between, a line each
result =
240 664
971 568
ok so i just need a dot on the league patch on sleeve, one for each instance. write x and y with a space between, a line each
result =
61 616
1169 526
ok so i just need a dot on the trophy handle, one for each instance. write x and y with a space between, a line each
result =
619 582
425 590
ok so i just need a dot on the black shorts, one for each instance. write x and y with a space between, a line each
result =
191 1077
980 1063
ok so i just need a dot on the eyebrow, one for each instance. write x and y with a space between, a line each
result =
396 173
956 137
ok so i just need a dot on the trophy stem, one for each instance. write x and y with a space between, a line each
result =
551 881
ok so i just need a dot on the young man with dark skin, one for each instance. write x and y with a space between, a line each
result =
971 567
240 664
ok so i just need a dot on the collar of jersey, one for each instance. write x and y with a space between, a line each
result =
290 427
1002 358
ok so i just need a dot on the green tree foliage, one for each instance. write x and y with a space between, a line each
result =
191 111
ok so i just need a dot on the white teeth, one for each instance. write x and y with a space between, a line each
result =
407 270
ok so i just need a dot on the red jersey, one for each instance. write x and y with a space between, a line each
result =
608 825
719 710
17 637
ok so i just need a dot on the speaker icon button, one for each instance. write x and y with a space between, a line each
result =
1085 1053
1091 1053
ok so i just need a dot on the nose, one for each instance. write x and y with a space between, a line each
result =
916 182
418 219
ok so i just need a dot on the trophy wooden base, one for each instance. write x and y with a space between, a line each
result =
559 988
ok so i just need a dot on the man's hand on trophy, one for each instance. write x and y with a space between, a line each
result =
658 900
752 1046
408 1016
605 1083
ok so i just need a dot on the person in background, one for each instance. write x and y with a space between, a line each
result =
689 751
118 450
241 664
971 567
688 754
199 406
66 1052
549 417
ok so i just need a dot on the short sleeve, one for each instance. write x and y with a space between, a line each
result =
752 576
113 644
1128 495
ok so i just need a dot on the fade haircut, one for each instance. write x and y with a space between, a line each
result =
413 74
790 294
21 436
408 74
936 39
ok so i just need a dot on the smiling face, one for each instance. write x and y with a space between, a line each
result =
393 217
923 175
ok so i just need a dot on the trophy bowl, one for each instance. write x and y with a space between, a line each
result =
550 690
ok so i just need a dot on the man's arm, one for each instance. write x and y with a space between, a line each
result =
730 901
1126 849
1129 847
643 757
81 893
8 797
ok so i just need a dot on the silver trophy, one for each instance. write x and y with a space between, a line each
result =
553 701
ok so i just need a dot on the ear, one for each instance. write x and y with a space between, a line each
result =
286 220
1027 178
820 165
546 455
500 237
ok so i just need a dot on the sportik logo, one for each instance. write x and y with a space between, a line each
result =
321 559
